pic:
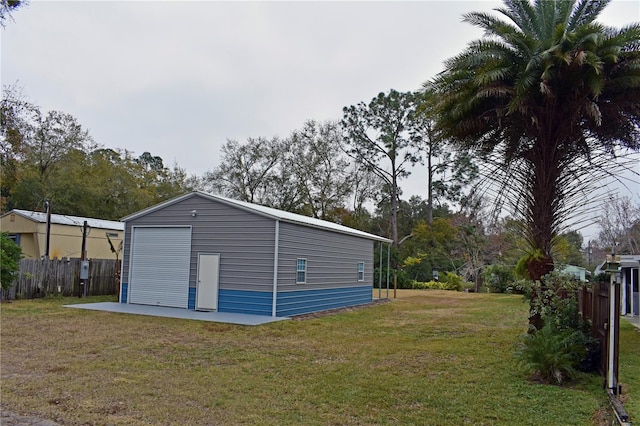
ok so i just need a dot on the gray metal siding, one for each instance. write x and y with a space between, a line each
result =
244 240
332 258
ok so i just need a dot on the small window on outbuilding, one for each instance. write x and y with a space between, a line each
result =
360 271
301 271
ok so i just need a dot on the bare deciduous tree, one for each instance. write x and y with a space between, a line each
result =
619 223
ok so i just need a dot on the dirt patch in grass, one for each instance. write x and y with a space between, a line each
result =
8 418
602 417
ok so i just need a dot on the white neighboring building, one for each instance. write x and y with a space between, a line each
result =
629 283
629 297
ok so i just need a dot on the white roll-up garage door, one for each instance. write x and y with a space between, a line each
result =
160 258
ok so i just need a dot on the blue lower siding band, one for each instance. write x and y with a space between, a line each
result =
191 302
292 302
306 301
245 302
124 288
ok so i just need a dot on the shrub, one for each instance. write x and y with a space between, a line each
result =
448 281
428 285
519 287
561 344
433 285
499 278
9 260
403 280
557 301
551 354
452 280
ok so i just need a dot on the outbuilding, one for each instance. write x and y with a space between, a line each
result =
60 236
205 252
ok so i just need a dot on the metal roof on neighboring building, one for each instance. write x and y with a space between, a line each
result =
265 211
626 261
630 260
62 219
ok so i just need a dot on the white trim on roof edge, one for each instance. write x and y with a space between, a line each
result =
262 211
63 219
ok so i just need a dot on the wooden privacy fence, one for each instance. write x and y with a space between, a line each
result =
594 304
47 277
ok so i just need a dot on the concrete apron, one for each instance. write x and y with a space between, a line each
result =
161 311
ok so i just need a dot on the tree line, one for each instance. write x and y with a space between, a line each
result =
47 156
347 171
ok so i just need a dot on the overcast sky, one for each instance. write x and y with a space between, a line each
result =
178 79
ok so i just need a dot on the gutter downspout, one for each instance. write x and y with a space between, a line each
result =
274 303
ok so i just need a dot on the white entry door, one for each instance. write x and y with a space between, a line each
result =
208 273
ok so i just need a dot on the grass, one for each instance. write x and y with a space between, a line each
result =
429 357
629 369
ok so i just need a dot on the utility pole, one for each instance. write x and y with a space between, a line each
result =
47 206
84 264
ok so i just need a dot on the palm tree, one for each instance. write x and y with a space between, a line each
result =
549 97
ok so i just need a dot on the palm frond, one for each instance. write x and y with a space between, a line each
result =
521 13
586 12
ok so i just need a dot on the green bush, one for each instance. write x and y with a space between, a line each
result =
562 344
551 354
498 278
403 280
452 280
433 285
448 281
9 261
556 300
519 287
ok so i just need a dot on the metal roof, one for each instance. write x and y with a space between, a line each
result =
61 219
630 260
264 211
626 261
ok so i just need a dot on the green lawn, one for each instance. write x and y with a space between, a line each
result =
428 358
629 369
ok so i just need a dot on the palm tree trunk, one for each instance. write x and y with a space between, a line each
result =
542 205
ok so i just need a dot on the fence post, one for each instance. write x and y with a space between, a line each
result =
613 268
